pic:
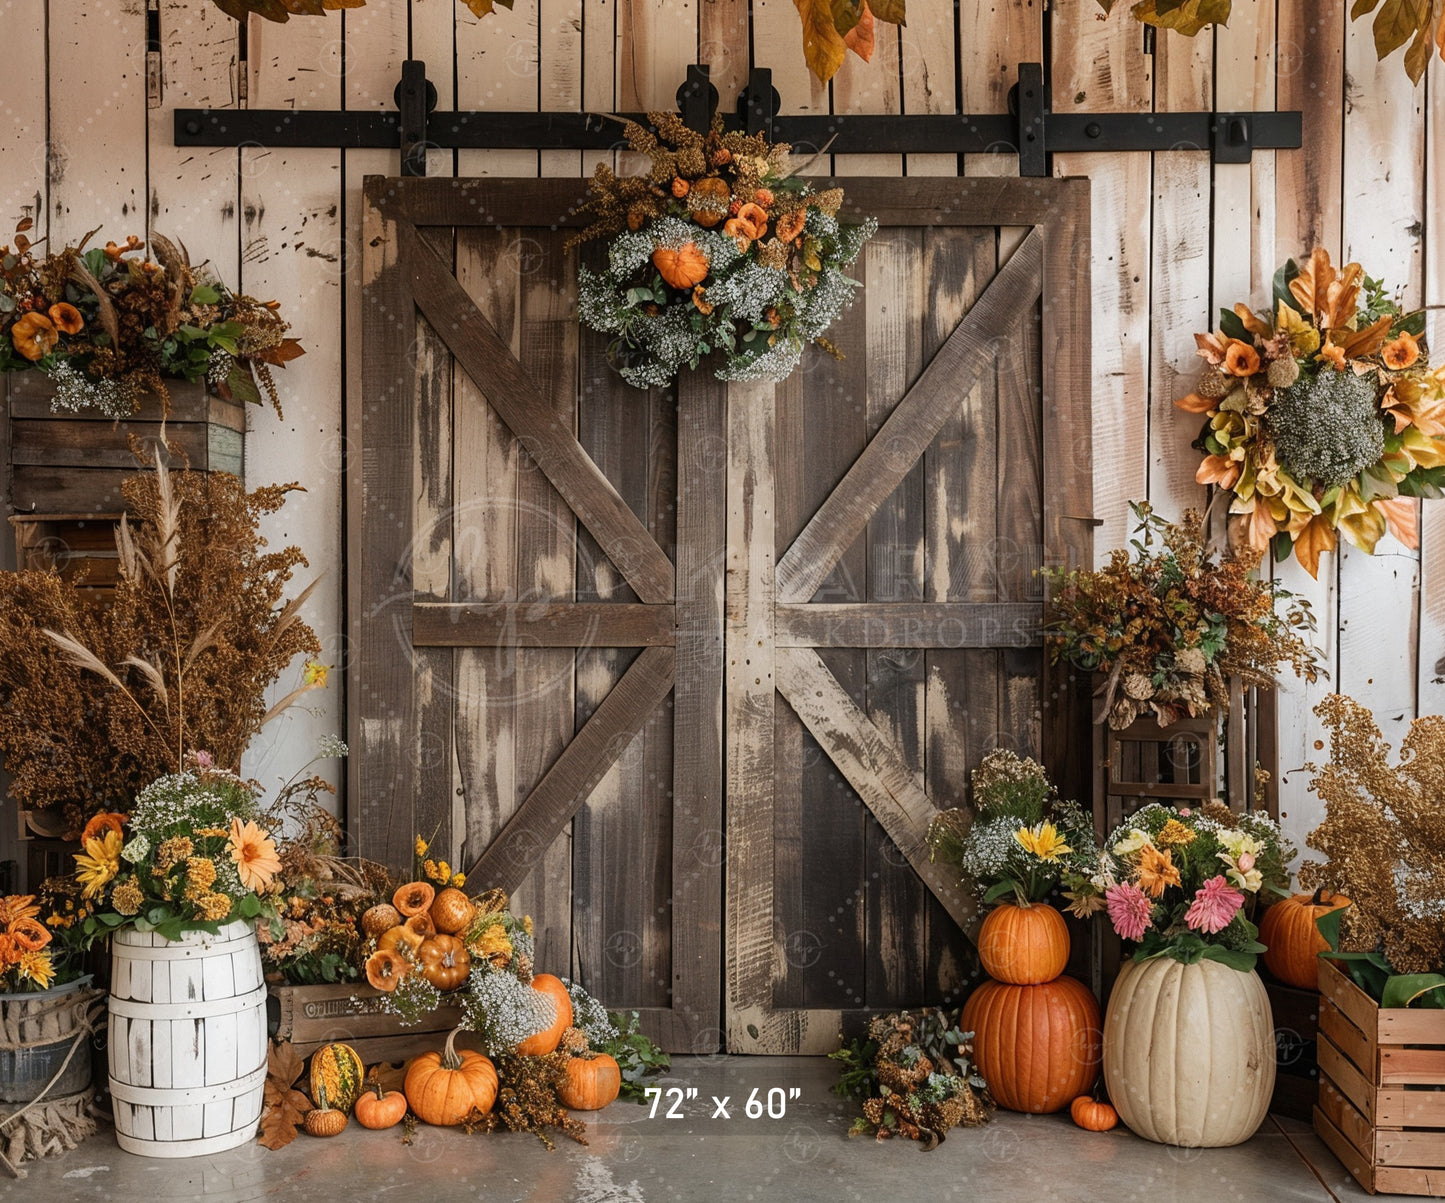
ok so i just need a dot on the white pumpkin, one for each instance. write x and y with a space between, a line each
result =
1189 1052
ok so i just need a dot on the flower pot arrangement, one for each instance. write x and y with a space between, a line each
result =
719 247
48 1011
1381 955
1180 886
1036 1032
1320 416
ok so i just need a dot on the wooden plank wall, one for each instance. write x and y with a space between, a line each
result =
81 145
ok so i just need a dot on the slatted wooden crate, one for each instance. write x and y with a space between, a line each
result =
311 1016
73 463
1381 1107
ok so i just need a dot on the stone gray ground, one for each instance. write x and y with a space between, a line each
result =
633 1158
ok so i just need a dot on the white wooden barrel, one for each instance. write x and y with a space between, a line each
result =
187 1040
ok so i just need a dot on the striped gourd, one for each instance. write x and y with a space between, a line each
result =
338 1071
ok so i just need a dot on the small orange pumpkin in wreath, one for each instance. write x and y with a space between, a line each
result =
683 267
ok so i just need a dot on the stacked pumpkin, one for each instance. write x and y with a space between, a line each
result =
1293 942
1036 1032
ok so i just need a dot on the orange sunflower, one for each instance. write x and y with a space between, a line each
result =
254 853
15 907
1157 871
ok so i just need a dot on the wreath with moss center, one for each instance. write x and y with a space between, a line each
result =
719 246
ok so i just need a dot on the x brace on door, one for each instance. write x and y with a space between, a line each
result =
1031 130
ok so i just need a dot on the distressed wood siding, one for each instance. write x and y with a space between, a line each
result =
80 146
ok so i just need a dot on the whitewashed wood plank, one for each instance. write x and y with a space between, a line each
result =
778 45
434 42
188 1054
187 1123
217 980
292 250
599 69
163 1121
1244 78
722 43
117 1051
497 69
97 167
22 118
139 1043
142 1123
1180 304
162 1071
559 74
873 87
929 66
1097 67
218 1117
223 1062
160 972
1430 672
993 39
1384 185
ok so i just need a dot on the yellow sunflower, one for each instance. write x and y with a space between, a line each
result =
99 863
1042 840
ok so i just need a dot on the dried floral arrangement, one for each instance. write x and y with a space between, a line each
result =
1168 625
1383 836
1320 416
107 325
96 703
28 958
718 247
1186 883
1019 837
914 1076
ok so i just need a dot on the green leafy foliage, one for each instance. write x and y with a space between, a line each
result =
636 1056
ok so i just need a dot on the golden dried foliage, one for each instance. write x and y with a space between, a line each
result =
97 702
1384 835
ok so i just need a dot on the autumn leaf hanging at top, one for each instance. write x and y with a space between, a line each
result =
831 28
1183 16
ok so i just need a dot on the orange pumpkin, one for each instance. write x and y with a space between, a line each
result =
1023 945
683 266
708 199
1038 1046
452 911
414 898
396 938
756 216
378 1109
546 1041
443 1088
1292 941
385 968
421 925
1092 1115
444 961
592 1081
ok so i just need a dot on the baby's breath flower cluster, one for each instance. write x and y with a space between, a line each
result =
590 1016
719 247
1019 838
503 1011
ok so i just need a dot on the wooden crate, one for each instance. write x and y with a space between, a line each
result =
1381 1106
73 464
310 1016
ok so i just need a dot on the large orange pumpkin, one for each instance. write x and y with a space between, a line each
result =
1292 941
1038 1046
1024 945
683 266
443 1088
546 1041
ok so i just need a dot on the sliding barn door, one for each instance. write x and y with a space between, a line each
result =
888 515
689 670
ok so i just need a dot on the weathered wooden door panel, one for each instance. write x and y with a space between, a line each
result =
568 591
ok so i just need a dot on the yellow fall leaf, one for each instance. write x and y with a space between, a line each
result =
823 46
1402 516
1311 542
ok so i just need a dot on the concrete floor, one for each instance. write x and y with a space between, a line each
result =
635 1158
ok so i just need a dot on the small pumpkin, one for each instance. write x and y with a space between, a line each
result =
546 1041
398 938
1092 1115
452 911
1023 945
1292 941
443 1088
683 267
324 1119
708 199
380 918
421 925
378 1109
414 898
444 961
337 1073
593 1081
385 968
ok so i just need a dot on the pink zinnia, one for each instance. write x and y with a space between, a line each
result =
1214 906
1129 910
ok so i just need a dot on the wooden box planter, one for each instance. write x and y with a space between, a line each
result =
310 1016
1381 1106
72 464
1296 1036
